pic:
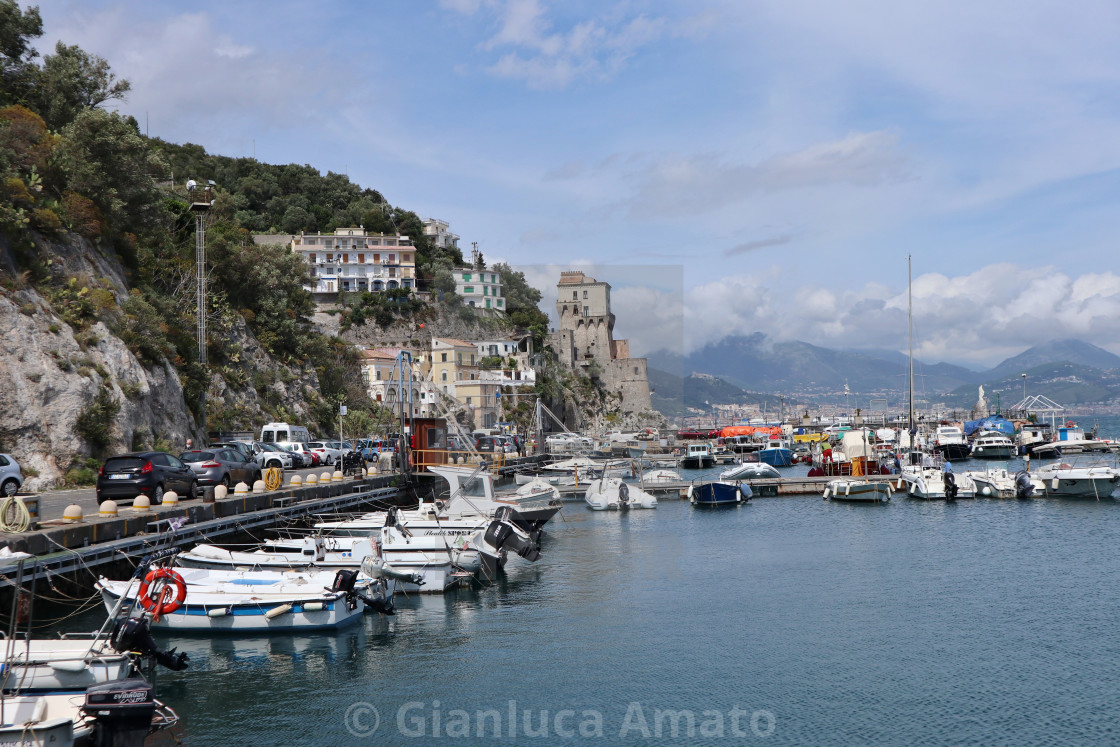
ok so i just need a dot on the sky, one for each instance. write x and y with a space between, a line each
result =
729 166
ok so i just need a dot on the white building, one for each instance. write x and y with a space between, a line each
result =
439 233
480 288
353 260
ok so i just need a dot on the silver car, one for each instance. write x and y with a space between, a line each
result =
11 478
271 455
221 467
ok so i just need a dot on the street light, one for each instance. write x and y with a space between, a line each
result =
1024 386
200 203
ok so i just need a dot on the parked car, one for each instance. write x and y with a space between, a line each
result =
457 443
310 458
246 450
372 448
329 451
11 477
490 444
271 455
149 473
222 466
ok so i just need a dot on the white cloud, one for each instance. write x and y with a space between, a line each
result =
975 319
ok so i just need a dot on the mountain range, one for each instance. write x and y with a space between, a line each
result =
1069 371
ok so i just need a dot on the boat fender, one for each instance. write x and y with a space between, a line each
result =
848 489
827 493
277 611
314 607
70 665
220 612
689 495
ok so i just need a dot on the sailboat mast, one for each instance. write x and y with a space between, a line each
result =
910 323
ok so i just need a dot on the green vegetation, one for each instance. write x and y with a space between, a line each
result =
95 421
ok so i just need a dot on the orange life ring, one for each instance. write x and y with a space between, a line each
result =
170 594
1070 424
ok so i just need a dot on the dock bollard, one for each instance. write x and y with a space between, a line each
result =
296 481
73 512
141 503
107 508
220 491
337 476
171 498
312 479
258 486
325 477
240 489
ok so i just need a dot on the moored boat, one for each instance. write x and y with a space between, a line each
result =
718 493
858 491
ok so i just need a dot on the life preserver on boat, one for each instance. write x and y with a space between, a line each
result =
170 593
1070 424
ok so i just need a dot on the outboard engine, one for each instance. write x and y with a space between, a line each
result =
122 712
950 486
377 568
133 634
1024 488
344 581
623 495
502 534
379 599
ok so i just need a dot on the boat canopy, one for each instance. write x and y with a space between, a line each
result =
750 430
990 423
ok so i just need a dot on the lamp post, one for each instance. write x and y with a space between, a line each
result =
200 203
1024 387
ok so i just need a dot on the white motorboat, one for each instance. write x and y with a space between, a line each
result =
750 471
992 445
999 483
1072 480
856 490
225 606
53 664
950 443
932 484
660 479
611 493
537 488
54 720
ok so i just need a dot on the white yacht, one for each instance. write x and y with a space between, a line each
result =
1070 480
992 445
855 490
949 441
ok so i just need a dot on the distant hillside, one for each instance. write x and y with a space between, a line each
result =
673 395
1072 351
1069 371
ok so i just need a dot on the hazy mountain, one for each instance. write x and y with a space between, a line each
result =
673 395
757 363
1073 351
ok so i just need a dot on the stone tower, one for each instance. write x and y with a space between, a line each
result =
584 340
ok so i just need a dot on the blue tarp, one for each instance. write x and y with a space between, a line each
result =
990 423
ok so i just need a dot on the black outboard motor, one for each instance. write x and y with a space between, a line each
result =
503 535
122 712
133 634
344 581
1024 488
950 486
623 496
353 462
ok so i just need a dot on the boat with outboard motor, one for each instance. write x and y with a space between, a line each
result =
612 494
933 483
992 445
1078 478
1000 483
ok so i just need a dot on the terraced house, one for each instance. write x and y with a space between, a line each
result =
352 259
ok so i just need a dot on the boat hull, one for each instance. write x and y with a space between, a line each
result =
776 457
714 494
852 491
954 451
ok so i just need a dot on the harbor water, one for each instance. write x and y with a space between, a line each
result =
786 621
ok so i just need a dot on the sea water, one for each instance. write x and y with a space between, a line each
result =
790 620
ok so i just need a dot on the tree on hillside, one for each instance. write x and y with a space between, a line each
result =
521 302
17 66
71 81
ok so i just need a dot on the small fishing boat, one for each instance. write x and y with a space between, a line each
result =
53 664
660 479
718 493
858 491
611 493
697 456
272 605
931 484
776 453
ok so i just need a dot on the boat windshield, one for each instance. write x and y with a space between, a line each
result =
474 487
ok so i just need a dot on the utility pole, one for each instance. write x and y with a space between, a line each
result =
201 200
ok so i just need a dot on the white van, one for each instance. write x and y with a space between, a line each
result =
280 433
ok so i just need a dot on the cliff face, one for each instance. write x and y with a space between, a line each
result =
52 374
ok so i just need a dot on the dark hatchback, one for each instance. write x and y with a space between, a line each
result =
150 473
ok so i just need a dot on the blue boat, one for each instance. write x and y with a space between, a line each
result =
719 494
776 454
